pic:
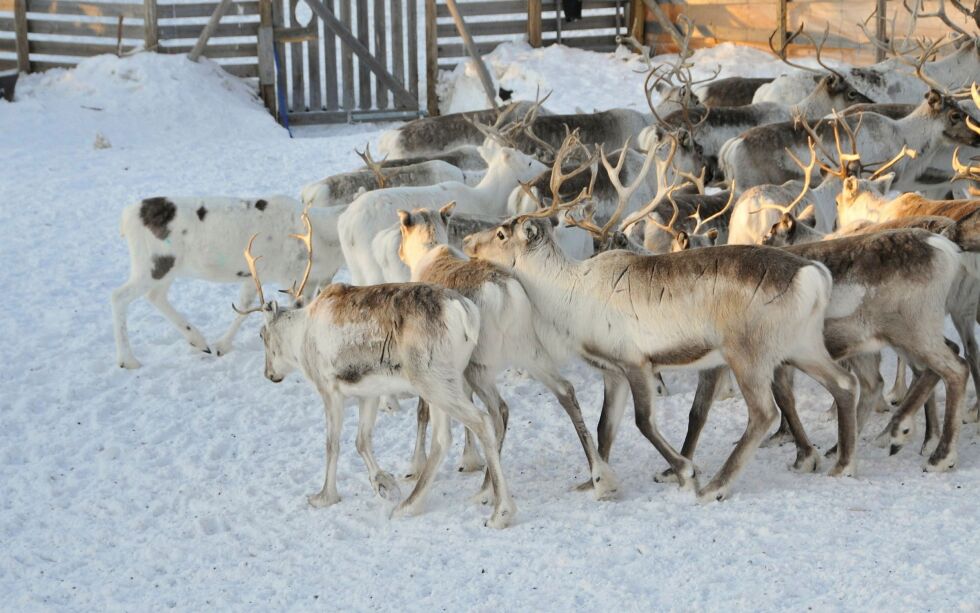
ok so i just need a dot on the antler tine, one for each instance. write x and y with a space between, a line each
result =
815 138
699 223
250 260
307 239
669 228
790 39
905 152
941 14
663 189
819 48
698 181
559 177
623 193
374 167
807 175
964 171
648 89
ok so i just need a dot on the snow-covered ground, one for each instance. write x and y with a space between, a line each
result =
183 484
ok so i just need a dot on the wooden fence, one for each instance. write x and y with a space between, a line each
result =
40 34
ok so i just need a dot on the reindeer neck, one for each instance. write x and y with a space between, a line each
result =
920 131
294 328
497 184
434 253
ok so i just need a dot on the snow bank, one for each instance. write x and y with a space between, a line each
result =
583 80
145 98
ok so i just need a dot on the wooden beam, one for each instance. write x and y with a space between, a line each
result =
665 22
481 68
881 28
363 54
637 20
266 57
781 28
151 35
534 23
208 30
431 58
20 33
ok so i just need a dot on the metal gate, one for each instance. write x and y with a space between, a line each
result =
347 60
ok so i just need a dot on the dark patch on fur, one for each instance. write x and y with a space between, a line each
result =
911 205
392 306
243 274
464 158
156 214
873 258
869 75
464 276
733 91
449 131
609 128
261 204
202 213
462 225
162 265
888 109
679 356
352 373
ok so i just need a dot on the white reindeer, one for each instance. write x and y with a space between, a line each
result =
372 212
510 334
201 238
386 339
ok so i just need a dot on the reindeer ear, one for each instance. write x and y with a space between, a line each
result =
447 211
531 230
935 100
787 222
884 182
712 235
850 184
405 218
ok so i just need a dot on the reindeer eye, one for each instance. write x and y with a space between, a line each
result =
852 95
955 117
500 234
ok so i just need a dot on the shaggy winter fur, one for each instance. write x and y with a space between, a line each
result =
750 307
203 238
510 334
340 190
390 339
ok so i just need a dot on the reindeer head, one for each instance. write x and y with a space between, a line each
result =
860 197
790 230
511 163
280 360
515 238
422 230
954 117
841 93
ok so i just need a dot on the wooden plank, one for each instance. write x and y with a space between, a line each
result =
362 53
242 70
265 54
42 65
8 45
151 32
280 57
514 7
20 35
297 100
347 55
458 50
313 73
432 51
481 67
215 51
208 30
71 48
413 51
315 117
86 9
363 73
80 28
484 28
881 27
171 32
533 23
381 52
183 11
398 40
6 6
637 13
330 60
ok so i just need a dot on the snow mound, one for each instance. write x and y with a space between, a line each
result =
583 80
145 98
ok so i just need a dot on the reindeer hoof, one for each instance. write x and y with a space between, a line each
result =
386 487
470 464
940 465
605 485
130 364
667 476
502 517
929 446
842 470
322 500
712 494
483 497
406 510
806 463
779 438
972 416
584 486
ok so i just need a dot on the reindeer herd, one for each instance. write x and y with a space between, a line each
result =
744 229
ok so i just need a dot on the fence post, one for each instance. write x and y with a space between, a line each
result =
20 31
637 20
431 58
151 36
534 23
781 26
267 59
208 30
881 28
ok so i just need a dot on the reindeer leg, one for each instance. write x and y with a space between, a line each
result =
709 381
246 295
898 432
442 438
639 382
422 424
899 388
158 298
964 317
954 372
843 386
122 297
383 483
333 408
605 486
483 385
614 395
807 457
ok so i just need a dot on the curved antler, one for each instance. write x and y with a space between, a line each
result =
250 260
307 239
699 223
373 166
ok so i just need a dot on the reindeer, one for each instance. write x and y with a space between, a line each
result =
932 130
424 336
374 211
435 135
633 315
198 238
341 189
510 334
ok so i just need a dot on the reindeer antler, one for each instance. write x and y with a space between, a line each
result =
699 223
373 166
250 260
307 240
559 177
495 131
905 152
941 14
807 174
663 189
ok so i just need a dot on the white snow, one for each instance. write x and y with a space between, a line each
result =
183 484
